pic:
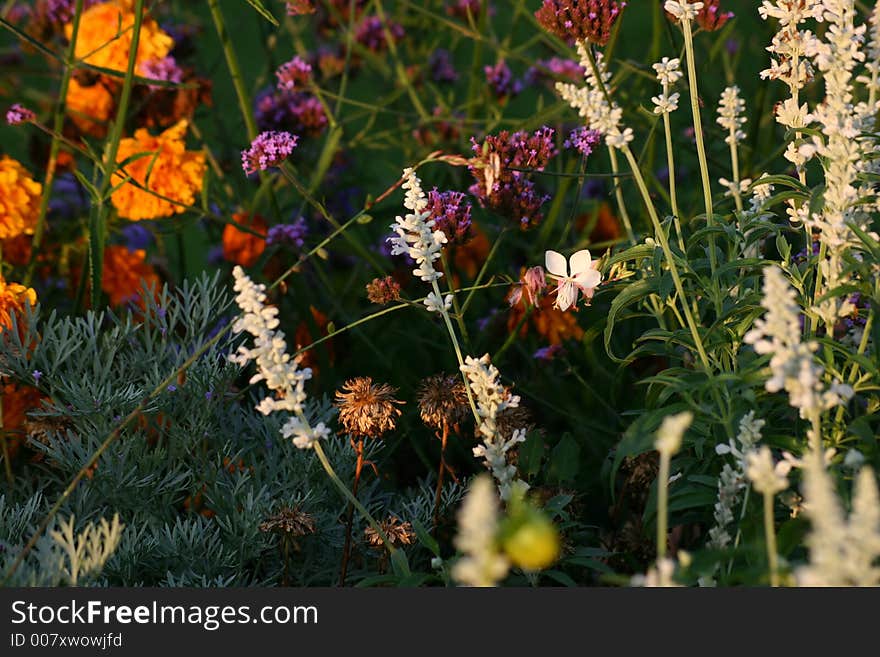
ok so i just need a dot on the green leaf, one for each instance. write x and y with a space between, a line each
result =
564 459
93 192
631 294
531 453
426 539
262 11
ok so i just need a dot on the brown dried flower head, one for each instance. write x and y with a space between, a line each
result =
512 419
443 401
367 410
399 533
289 522
383 290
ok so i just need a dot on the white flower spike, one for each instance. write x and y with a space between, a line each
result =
580 274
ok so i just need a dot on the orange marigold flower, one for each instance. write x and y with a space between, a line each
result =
19 199
244 248
550 323
167 169
124 272
17 401
89 107
13 297
105 36
17 250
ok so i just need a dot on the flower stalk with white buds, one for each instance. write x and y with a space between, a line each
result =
844 551
283 376
768 478
668 442
837 57
730 116
415 236
792 365
483 564
731 481
493 398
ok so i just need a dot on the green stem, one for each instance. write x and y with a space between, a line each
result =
397 557
459 316
670 259
770 534
698 135
58 125
734 165
101 210
618 195
663 504
670 163
451 330
241 93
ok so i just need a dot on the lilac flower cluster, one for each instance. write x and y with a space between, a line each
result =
279 109
501 81
165 69
583 140
461 9
61 12
294 73
288 234
549 71
501 167
451 214
371 33
269 149
18 114
441 67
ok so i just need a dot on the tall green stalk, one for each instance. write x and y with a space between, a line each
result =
101 209
698 135
663 503
57 125
770 535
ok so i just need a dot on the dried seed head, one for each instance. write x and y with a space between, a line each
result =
399 533
367 410
383 290
289 522
442 401
513 418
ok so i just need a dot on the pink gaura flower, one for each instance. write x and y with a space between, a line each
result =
579 274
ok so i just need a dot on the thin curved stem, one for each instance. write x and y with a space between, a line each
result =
670 258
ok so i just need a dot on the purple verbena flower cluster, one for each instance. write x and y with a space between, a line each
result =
580 20
501 81
501 167
18 114
288 234
583 140
451 214
269 149
294 73
277 109
371 33
165 69
441 67
548 71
